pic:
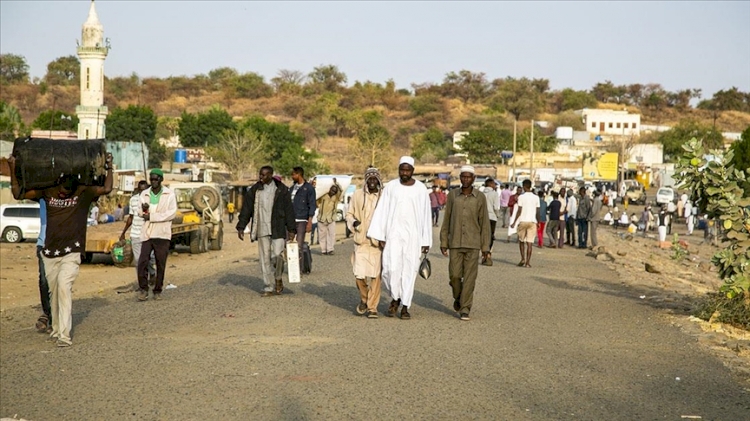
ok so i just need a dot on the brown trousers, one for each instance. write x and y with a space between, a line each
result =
463 267
369 292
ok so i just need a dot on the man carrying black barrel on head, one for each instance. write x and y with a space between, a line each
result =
67 205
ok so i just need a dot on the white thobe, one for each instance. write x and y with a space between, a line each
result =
403 220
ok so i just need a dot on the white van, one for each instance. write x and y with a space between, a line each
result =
20 221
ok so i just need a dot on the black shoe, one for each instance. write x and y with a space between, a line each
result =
393 308
361 308
372 314
456 305
405 313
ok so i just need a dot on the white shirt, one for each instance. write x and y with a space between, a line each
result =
135 227
94 213
572 207
529 203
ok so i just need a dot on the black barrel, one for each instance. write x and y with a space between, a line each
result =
41 162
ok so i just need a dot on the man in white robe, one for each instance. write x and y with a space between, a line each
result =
402 223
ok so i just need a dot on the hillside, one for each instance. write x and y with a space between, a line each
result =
325 114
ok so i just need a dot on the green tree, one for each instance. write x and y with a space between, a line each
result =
220 77
55 120
372 146
432 145
570 99
741 160
135 123
674 138
608 92
519 97
288 82
11 124
249 85
542 143
424 104
239 150
63 71
204 129
465 85
13 69
285 148
483 145
326 78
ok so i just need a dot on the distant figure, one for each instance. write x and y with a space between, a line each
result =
527 218
118 213
327 218
493 209
401 223
595 217
553 223
230 211
542 219
94 214
435 205
505 194
135 223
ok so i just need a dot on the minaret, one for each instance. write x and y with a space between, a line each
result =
92 51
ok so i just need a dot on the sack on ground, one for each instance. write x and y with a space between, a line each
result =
40 162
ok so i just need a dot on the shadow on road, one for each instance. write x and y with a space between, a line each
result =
654 297
83 307
428 301
250 282
345 297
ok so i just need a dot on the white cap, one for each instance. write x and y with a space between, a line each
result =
467 168
406 160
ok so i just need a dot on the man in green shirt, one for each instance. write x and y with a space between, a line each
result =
465 231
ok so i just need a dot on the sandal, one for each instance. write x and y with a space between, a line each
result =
42 323
279 286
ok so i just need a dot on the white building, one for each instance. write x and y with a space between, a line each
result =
92 51
610 122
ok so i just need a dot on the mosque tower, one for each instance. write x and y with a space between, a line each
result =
92 51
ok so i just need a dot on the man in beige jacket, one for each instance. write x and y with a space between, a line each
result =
367 253
158 209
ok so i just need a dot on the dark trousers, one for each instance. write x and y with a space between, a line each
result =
435 215
493 225
583 232
160 247
43 286
463 266
570 224
561 228
231 217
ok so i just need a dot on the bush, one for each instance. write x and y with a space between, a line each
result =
733 311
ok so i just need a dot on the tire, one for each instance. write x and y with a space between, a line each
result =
218 242
12 235
214 200
196 239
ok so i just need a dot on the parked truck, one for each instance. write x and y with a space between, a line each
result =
197 225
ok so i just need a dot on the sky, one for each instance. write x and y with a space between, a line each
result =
680 45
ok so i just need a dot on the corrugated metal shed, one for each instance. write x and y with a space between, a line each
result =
128 155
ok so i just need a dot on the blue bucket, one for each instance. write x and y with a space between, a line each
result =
180 156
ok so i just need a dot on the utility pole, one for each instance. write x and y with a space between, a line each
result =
531 157
514 179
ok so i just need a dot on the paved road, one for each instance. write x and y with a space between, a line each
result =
563 340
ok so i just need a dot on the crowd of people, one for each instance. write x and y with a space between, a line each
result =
391 225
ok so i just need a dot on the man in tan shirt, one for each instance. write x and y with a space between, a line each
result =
465 231
327 218
367 254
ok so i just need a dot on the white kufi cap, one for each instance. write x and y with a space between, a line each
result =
406 160
467 168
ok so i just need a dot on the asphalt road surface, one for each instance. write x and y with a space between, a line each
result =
563 340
